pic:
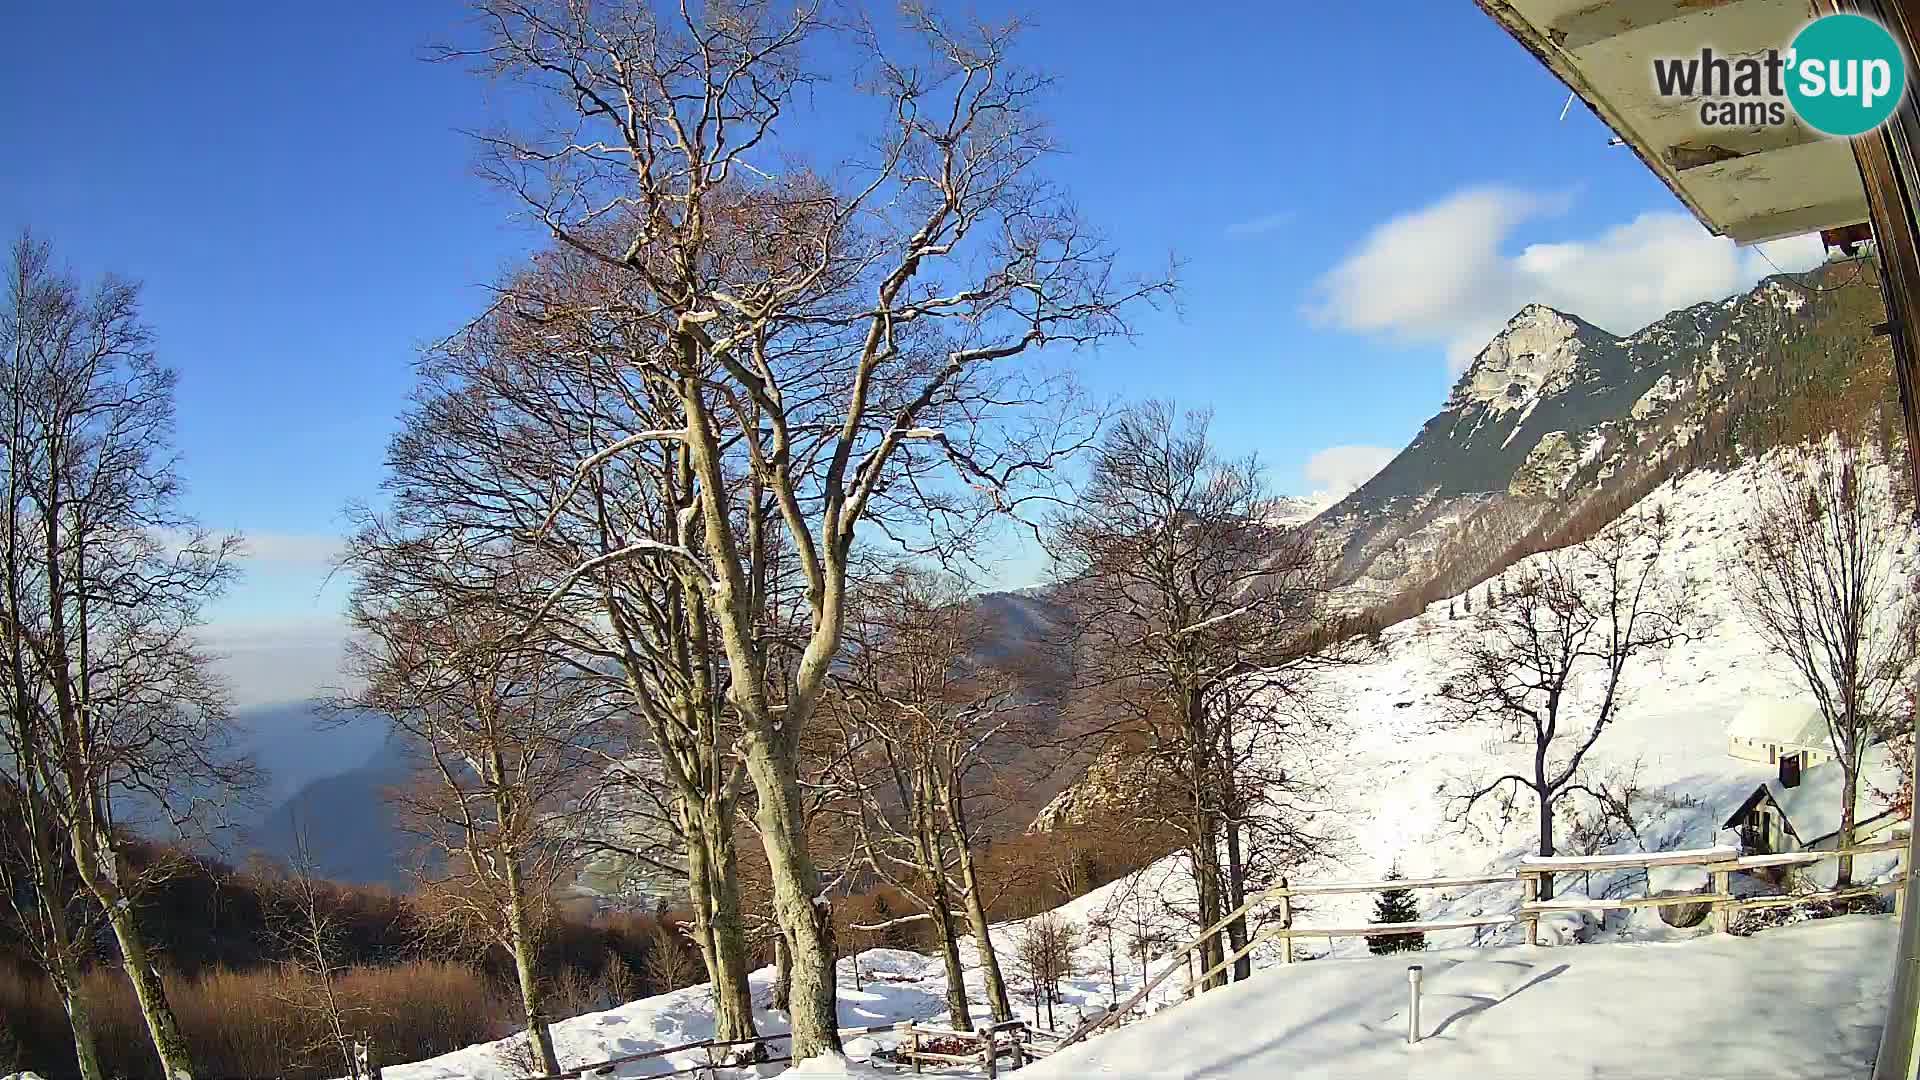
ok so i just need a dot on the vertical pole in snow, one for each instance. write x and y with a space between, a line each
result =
990 1060
1900 873
1722 911
1413 1004
1533 918
1286 922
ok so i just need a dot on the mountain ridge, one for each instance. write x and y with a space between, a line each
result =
1556 416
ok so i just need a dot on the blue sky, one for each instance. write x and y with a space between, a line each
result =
1360 195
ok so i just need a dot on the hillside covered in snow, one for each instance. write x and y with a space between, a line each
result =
1394 752
1386 768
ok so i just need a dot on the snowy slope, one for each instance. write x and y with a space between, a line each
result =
896 985
1398 749
1384 767
1804 1001
1395 750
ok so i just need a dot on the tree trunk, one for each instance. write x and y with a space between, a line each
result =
1206 874
168 1044
99 871
73 997
713 886
1849 796
1546 845
957 1011
931 850
798 901
782 972
799 904
1236 897
538 1035
983 939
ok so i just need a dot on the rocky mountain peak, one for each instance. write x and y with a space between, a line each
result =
1535 354
1556 414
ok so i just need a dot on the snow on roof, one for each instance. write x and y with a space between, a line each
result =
1790 722
1813 807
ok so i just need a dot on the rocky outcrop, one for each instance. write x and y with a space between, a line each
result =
1556 414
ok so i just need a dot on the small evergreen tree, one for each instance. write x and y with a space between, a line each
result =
1466 601
890 934
1396 906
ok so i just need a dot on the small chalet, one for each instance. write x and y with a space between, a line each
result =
1799 810
1770 730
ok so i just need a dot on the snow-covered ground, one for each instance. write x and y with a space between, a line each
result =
1739 1004
1396 750
895 985
1801 1001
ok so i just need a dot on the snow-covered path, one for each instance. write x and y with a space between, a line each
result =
1804 1001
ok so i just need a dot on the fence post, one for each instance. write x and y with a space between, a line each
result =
1018 1038
1722 910
1900 875
1286 922
905 1027
988 1057
1530 895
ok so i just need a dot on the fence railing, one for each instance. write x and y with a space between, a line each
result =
709 1046
1011 1039
1529 876
1019 1042
1015 1040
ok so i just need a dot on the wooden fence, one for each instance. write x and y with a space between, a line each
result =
1719 862
1014 1040
1018 1042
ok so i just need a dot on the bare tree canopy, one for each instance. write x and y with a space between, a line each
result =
115 717
1548 654
1815 576
921 714
837 339
1197 625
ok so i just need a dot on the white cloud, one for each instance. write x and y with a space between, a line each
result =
1446 275
275 660
1337 470
292 549
1265 223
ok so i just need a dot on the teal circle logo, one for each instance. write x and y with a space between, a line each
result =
1845 74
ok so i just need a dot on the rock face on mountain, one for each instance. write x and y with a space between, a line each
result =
1556 415
1558 420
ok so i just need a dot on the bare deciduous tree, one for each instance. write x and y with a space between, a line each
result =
836 341
1195 626
48 912
114 708
1547 657
508 412
503 732
304 919
668 966
921 711
1815 575
1044 959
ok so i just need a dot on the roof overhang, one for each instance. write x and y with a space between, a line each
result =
1750 184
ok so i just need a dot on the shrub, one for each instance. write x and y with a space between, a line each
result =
242 1025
